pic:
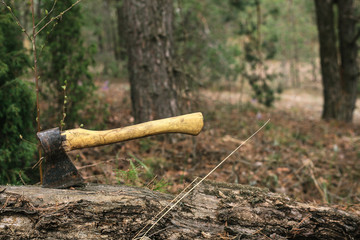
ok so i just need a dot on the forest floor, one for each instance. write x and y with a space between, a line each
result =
297 154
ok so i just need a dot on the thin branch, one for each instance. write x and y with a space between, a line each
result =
38 163
36 76
25 140
153 218
207 175
95 164
57 17
46 39
21 179
16 20
51 10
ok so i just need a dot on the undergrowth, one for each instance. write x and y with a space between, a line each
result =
141 173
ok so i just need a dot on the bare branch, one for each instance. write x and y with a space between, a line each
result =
36 76
16 20
46 39
57 17
47 14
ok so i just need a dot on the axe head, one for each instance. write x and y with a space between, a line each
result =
58 170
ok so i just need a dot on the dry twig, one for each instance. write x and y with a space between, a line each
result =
198 183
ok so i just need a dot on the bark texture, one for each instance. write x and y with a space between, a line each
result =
339 68
328 58
349 72
212 211
149 39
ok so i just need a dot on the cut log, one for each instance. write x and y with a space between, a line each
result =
212 211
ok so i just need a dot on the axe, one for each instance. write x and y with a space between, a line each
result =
60 172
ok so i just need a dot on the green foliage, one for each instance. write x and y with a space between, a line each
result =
17 106
256 49
12 55
102 29
141 173
160 186
18 144
218 41
66 59
130 176
225 40
202 43
145 144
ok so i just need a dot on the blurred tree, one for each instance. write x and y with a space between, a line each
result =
65 61
205 45
17 106
103 28
340 71
149 38
257 49
217 40
121 45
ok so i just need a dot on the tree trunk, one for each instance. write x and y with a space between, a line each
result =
329 59
212 211
120 48
149 36
348 52
38 9
339 71
294 61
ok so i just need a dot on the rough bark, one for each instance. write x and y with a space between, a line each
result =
339 65
212 211
329 59
348 52
149 38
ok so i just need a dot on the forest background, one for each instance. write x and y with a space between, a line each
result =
238 62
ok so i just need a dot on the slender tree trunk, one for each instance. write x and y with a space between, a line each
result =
121 49
107 27
38 9
329 59
111 28
314 69
348 50
294 69
149 35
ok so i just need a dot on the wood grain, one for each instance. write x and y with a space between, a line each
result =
82 138
212 211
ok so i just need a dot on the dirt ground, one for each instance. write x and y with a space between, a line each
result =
296 154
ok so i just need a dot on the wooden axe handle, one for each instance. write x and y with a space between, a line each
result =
82 138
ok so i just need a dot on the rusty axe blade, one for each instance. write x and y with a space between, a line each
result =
60 172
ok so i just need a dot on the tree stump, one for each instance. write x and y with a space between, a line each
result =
212 211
